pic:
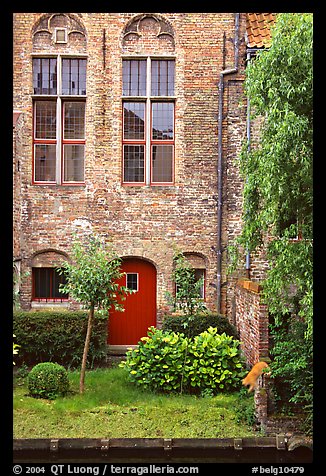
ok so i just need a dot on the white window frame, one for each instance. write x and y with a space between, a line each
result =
137 274
56 30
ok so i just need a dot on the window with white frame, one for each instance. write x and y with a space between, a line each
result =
148 121
59 105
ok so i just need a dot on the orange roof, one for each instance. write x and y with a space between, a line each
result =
258 29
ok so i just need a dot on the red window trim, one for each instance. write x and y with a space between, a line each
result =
162 142
54 141
149 100
47 299
133 142
64 141
36 141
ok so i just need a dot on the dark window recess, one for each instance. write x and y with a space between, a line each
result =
46 283
73 76
134 78
45 76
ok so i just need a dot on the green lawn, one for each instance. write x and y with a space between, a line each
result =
111 407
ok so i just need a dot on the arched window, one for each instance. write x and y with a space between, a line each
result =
198 263
46 279
59 99
148 90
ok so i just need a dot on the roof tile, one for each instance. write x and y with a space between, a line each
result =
258 29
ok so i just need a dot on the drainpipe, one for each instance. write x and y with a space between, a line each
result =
220 159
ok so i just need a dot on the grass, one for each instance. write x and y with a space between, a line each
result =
112 407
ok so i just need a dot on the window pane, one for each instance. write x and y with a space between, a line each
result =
200 275
134 120
162 162
57 280
73 159
44 162
162 120
74 120
45 120
134 77
132 281
133 164
45 76
46 284
41 278
73 76
162 78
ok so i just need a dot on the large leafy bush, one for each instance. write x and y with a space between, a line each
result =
169 361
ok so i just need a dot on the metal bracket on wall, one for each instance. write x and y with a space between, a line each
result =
238 443
167 444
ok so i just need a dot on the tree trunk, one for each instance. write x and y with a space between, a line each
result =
86 347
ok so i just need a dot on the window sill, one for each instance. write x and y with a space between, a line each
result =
49 305
59 185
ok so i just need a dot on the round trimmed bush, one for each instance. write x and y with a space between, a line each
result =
48 380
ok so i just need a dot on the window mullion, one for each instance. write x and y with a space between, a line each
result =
148 124
59 141
59 123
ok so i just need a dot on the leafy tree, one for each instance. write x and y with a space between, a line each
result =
91 279
278 195
187 298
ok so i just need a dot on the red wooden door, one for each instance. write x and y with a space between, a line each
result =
126 328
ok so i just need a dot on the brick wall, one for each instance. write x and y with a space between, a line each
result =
18 128
141 221
252 321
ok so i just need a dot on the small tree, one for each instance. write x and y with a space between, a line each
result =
187 297
91 279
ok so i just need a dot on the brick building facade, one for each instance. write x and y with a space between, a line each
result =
122 121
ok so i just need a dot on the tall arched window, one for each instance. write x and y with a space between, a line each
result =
148 91
59 100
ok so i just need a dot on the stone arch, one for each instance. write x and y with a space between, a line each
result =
139 257
43 32
49 257
196 259
148 32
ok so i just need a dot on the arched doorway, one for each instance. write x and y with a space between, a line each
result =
126 328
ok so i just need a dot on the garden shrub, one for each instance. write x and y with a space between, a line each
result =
48 380
199 323
58 336
214 361
169 361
